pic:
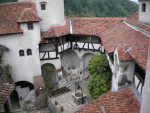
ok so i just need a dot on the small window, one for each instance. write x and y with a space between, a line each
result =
30 26
21 52
143 7
29 52
43 6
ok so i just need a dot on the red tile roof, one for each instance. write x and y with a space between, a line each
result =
134 20
43 41
29 15
123 101
126 36
123 56
113 32
5 91
83 26
10 13
93 26
57 31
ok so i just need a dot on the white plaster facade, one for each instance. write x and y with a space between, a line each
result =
120 69
54 13
144 16
23 67
146 92
55 62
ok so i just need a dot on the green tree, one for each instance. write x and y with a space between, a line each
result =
100 8
4 1
100 81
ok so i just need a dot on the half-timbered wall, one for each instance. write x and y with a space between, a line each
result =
139 79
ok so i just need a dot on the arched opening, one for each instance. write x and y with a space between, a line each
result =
49 73
24 92
29 52
86 58
24 84
21 52
69 61
14 101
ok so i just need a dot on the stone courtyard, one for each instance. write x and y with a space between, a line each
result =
66 99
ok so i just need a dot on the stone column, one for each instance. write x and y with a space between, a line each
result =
81 67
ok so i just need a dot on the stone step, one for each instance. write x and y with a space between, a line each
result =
69 85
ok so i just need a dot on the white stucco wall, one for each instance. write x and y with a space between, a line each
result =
54 13
146 92
86 58
144 16
55 62
25 67
121 68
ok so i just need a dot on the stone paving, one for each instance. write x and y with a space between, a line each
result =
44 110
66 99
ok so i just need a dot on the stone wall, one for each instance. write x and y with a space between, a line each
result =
40 91
52 107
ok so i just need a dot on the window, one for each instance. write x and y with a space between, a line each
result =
143 7
21 52
29 52
30 26
43 6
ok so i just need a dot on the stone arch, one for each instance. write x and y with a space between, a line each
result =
86 58
49 73
23 88
24 84
70 59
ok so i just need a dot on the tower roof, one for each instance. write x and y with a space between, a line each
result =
29 15
11 12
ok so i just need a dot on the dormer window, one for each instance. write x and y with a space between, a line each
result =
43 5
143 7
30 25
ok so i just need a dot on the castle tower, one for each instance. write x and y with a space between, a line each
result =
144 9
51 11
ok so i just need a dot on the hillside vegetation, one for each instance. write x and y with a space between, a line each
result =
99 8
4 1
96 8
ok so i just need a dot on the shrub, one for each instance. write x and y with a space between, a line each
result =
100 81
